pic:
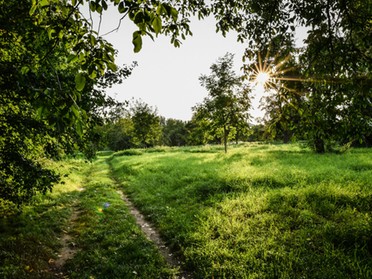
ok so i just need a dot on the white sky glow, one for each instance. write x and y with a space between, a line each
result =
167 77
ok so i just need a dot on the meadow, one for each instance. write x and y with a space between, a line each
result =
259 211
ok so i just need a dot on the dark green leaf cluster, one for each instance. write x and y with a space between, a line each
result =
155 17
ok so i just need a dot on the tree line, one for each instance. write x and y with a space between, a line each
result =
221 117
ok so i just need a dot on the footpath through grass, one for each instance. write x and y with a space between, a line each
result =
261 211
105 237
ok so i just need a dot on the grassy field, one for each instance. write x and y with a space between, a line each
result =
107 241
260 211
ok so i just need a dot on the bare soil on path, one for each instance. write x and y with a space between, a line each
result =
153 235
69 248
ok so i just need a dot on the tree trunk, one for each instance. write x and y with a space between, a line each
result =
225 134
319 145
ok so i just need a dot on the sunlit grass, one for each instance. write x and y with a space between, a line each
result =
108 241
111 244
261 211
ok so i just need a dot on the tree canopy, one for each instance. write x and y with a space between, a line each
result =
327 83
52 94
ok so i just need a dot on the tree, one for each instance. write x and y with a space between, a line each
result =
227 103
285 97
146 124
198 130
174 132
120 134
334 65
51 61
47 105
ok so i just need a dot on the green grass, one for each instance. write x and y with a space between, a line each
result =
261 211
109 242
112 245
30 239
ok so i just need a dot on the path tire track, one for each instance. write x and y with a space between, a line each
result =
151 232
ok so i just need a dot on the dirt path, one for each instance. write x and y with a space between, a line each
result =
153 235
68 249
151 232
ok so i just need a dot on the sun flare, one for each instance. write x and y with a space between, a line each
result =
262 78
268 73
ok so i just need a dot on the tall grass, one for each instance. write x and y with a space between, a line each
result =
261 211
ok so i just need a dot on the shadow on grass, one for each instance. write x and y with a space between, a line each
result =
330 231
307 233
29 242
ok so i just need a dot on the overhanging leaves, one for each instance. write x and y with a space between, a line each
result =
137 41
80 82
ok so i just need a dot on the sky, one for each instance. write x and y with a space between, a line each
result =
167 77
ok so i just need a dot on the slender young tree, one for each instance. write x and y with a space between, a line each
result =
228 101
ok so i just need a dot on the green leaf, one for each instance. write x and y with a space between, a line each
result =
174 13
40 112
93 74
79 128
139 17
170 11
93 40
157 24
75 111
137 41
44 3
25 70
122 9
92 6
104 5
161 10
50 33
80 82
33 8
72 58
99 9
112 66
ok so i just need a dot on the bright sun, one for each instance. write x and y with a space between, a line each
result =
262 78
